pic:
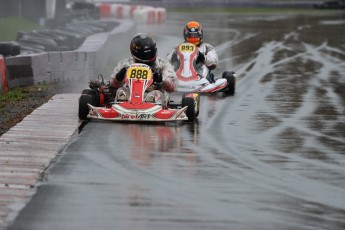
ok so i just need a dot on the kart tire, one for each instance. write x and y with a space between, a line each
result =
88 96
15 49
197 106
231 79
94 95
83 108
190 112
9 48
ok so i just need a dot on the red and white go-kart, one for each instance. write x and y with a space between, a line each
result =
100 102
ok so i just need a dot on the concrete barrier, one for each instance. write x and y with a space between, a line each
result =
23 70
110 49
94 56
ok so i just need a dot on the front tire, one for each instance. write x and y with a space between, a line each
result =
231 79
83 108
88 96
94 95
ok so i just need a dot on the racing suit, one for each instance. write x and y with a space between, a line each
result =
211 58
161 66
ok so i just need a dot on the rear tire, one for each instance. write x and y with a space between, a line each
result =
197 108
88 96
15 49
192 111
231 79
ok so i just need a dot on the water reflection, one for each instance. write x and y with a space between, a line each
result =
153 142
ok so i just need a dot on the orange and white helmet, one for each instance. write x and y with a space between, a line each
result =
193 33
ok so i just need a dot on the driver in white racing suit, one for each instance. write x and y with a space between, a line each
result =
143 49
207 55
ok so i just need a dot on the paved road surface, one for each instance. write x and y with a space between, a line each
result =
270 157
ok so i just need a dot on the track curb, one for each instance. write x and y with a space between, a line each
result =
28 149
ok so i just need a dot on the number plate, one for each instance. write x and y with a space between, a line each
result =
139 73
187 47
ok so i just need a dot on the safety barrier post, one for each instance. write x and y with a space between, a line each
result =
4 85
105 10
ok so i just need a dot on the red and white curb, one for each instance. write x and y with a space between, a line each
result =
139 13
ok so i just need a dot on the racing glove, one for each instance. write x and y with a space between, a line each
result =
157 77
201 58
121 74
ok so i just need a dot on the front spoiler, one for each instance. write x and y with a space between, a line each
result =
146 112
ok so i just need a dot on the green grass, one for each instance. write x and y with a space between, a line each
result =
13 95
11 25
20 93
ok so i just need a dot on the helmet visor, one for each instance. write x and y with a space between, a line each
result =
145 59
193 35
195 41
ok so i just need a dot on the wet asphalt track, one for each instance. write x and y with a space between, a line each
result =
270 157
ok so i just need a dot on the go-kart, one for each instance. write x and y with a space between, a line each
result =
101 101
192 81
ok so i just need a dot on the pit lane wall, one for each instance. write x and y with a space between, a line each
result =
85 63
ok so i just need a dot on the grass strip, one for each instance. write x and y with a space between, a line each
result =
11 25
22 93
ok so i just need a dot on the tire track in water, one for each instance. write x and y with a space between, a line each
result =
257 69
299 186
247 171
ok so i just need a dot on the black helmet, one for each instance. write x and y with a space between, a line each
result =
143 49
193 33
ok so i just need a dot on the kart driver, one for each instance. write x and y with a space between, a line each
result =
207 56
143 49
